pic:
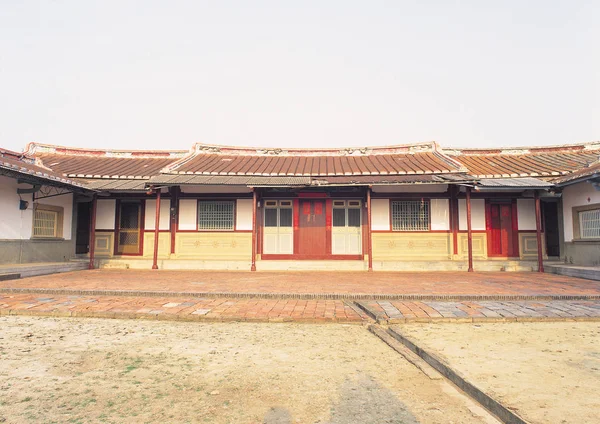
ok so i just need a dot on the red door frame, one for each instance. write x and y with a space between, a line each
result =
296 231
513 243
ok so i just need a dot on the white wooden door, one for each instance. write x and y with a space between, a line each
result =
278 234
346 230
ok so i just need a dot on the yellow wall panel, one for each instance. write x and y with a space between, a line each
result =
479 246
398 246
214 246
528 245
104 244
164 245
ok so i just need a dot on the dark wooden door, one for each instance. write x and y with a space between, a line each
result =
550 222
129 237
82 236
312 233
500 230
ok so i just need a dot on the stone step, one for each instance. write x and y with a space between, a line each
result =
5 276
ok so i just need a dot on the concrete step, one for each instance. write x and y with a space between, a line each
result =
5 276
33 269
587 272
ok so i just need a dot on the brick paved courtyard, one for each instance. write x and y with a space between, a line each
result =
318 283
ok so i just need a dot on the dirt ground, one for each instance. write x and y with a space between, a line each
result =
547 372
95 370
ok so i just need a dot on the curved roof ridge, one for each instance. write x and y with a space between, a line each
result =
34 148
200 148
583 146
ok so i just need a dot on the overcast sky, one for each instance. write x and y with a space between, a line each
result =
164 75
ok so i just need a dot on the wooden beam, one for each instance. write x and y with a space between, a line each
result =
469 230
538 232
156 230
369 235
93 231
254 206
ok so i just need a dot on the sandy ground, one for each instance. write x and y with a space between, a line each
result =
95 370
547 372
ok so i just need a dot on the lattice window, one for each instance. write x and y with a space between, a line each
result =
410 215
215 215
45 223
589 224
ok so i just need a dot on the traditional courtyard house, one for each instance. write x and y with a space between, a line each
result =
413 207
36 211
581 215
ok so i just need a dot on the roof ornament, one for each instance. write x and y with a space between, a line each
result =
515 152
207 149
271 152
420 148
354 151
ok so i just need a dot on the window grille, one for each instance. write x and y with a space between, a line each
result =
45 223
215 215
410 215
589 224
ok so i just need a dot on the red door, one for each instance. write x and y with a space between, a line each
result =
500 230
312 233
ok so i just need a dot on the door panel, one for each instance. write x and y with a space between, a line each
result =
311 229
500 230
129 237
346 230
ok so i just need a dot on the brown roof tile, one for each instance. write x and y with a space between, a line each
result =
113 164
398 160
20 164
533 161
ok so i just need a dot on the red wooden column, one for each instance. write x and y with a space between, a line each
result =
254 205
469 230
174 214
369 238
93 232
538 231
156 230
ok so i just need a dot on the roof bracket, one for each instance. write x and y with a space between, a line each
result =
34 188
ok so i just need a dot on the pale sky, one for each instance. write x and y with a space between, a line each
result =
164 75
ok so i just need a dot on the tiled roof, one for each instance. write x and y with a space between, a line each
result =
111 164
249 180
525 182
585 173
15 164
395 160
524 162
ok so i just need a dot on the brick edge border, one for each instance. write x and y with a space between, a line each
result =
301 296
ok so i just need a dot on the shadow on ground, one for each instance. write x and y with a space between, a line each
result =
361 400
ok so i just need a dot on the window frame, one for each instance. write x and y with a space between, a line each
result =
577 223
419 200
278 205
233 203
58 225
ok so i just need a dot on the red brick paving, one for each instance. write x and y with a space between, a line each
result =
193 309
316 282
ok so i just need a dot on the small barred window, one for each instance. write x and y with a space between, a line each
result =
589 224
215 215
45 223
410 215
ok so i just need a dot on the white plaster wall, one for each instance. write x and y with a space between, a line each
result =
380 214
105 214
440 214
243 214
580 194
15 224
477 214
526 214
421 188
66 202
150 214
188 210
